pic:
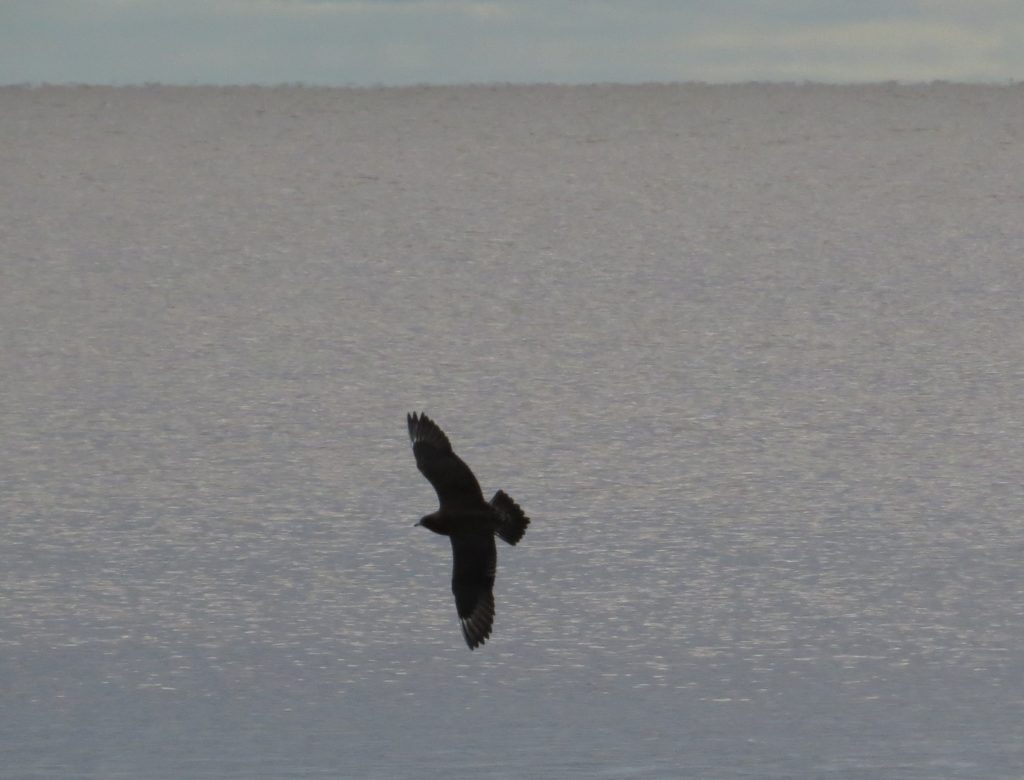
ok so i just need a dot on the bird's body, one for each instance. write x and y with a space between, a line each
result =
469 521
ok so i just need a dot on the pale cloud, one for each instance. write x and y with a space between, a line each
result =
867 37
300 8
902 49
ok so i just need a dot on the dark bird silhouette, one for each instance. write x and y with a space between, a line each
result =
469 521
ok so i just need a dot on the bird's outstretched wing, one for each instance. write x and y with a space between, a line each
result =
451 478
476 560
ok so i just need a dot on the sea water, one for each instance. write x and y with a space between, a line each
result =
751 358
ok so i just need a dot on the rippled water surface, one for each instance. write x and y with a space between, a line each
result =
750 357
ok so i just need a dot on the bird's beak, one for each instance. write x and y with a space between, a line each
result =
418 522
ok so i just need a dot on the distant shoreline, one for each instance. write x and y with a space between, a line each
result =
510 85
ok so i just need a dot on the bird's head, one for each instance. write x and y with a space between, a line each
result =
431 523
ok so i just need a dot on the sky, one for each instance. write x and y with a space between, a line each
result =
395 42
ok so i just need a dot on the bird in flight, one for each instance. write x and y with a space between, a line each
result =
469 521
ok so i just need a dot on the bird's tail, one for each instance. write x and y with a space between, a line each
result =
512 520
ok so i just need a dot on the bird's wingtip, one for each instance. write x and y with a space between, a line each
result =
423 429
412 419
